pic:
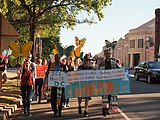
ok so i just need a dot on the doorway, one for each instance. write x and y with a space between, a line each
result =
136 59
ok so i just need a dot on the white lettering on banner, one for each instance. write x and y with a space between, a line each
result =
87 75
60 79
57 79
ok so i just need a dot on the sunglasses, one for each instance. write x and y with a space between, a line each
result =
107 53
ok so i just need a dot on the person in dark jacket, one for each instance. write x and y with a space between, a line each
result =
105 64
57 66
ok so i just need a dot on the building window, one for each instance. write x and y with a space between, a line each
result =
132 43
140 43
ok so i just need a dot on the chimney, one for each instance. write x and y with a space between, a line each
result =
157 34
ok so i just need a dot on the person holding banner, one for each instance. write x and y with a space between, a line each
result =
70 67
57 93
84 66
105 64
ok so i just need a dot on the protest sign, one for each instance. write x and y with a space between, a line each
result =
41 70
89 83
57 79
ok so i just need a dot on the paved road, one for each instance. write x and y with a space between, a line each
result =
43 112
143 102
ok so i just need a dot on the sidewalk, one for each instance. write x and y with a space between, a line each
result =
43 112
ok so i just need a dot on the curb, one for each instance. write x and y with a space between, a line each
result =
6 110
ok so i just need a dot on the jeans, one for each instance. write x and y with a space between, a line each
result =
26 92
38 87
54 100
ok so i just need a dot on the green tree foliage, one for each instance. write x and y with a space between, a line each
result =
46 17
49 42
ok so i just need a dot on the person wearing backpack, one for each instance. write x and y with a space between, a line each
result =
26 86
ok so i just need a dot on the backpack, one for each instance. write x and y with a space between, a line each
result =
32 67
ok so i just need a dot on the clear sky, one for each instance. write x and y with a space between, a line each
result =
120 17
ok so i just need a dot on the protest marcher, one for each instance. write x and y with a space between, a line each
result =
70 67
118 64
32 66
84 66
63 60
105 64
3 74
77 63
56 66
38 83
44 62
26 75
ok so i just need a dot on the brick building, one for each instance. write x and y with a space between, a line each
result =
7 33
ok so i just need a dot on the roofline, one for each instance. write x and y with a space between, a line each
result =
8 35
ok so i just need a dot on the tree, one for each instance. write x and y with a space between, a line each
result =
30 17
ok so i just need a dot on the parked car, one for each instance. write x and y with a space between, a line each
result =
148 70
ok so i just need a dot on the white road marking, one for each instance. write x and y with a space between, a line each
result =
123 114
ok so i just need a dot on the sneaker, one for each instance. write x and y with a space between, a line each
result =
55 115
108 112
59 115
29 114
79 110
104 112
24 113
68 105
85 114
64 106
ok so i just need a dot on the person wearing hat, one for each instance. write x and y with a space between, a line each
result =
85 66
57 93
107 63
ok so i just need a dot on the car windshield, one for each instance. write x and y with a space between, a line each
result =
154 65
